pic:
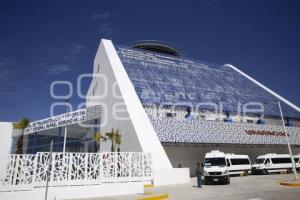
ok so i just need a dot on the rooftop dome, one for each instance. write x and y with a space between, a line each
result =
156 46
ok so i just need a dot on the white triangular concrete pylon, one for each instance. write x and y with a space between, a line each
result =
137 131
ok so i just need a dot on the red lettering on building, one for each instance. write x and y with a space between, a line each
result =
267 133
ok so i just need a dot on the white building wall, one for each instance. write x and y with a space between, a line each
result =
5 143
103 71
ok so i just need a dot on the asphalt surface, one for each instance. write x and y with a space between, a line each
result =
256 187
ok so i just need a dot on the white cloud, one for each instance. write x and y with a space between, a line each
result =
4 73
97 16
77 48
105 29
58 69
5 61
2 63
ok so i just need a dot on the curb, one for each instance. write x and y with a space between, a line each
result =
148 185
290 184
148 193
155 197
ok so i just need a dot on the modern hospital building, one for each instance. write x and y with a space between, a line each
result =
174 107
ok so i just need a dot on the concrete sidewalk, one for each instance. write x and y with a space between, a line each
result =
248 187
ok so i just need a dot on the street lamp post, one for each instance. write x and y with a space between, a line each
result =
288 142
48 169
66 128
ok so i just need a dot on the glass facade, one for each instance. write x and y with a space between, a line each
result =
163 79
79 139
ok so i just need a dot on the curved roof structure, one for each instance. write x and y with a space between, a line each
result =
165 79
157 46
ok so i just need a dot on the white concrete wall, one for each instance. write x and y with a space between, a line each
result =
5 143
189 156
171 176
130 142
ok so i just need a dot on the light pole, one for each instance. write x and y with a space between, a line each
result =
288 142
66 128
49 162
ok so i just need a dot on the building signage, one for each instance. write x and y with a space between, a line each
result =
62 120
267 133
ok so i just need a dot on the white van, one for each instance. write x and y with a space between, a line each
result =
297 162
238 164
215 168
272 163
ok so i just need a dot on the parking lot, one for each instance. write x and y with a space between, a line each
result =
256 187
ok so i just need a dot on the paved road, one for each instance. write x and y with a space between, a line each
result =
251 187
241 188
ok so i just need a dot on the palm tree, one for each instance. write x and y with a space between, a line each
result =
98 137
21 125
111 136
118 140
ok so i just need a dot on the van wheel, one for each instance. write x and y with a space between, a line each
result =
246 173
265 172
228 181
289 171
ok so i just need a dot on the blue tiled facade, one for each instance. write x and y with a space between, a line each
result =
163 79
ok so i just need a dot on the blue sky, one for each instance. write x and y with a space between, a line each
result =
43 41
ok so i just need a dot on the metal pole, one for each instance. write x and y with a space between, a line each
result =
66 130
65 140
48 169
288 142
